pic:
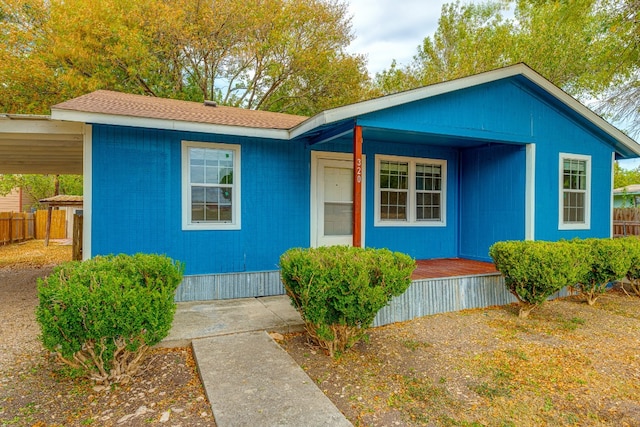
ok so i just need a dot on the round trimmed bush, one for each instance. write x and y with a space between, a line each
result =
101 315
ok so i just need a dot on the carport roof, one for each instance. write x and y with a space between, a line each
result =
38 145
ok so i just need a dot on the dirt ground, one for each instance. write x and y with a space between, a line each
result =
34 390
567 365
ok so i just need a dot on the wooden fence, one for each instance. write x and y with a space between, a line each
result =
626 222
18 227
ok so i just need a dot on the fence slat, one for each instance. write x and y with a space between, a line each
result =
16 227
626 222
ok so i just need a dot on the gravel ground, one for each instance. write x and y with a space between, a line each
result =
35 389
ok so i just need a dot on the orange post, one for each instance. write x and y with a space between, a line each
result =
357 186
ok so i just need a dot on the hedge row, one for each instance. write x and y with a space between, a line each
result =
535 270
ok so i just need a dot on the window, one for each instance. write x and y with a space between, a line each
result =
210 186
410 191
575 191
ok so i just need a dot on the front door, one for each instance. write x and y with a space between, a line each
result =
333 219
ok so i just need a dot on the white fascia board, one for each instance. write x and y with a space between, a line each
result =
39 125
581 109
166 124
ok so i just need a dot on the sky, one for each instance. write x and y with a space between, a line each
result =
392 29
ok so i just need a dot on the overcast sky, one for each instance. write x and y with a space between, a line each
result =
392 29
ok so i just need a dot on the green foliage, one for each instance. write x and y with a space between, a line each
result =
102 315
609 262
631 246
534 270
624 177
571 43
41 186
339 290
275 55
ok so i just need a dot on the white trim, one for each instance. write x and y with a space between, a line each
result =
316 156
587 199
87 190
236 207
530 193
167 124
613 161
411 199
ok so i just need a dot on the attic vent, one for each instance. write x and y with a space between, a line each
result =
210 103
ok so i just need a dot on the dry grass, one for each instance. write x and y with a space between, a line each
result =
33 253
569 364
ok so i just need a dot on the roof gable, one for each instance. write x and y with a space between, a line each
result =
543 88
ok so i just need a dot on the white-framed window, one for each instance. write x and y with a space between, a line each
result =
575 192
210 186
410 191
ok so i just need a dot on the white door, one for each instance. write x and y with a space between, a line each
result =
334 204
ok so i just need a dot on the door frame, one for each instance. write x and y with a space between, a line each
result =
316 156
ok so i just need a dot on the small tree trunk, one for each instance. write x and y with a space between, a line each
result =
525 309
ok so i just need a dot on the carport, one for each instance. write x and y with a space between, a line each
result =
39 145
32 144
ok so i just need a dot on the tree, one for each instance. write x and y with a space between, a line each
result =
621 100
248 53
623 177
41 186
571 43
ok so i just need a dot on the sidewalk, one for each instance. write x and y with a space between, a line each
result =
249 379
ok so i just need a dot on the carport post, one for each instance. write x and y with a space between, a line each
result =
357 186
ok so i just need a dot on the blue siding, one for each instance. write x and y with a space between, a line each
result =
480 131
492 198
137 200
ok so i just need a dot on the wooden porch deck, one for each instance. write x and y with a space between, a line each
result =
451 267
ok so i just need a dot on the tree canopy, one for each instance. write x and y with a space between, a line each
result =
589 48
279 55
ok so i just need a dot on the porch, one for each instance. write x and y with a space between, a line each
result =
451 267
438 286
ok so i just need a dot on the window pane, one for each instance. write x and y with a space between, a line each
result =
394 175
197 194
393 205
212 168
197 174
574 207
338 219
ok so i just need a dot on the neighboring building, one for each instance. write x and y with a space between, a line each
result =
627 197
446 171
16 201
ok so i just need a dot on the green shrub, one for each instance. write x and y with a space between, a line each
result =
102 315
610 261
339 290
535 270
631 246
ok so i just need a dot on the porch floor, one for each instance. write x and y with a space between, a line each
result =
450 267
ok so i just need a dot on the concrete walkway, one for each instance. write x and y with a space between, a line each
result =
249 379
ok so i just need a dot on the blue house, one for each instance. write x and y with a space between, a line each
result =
442 171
